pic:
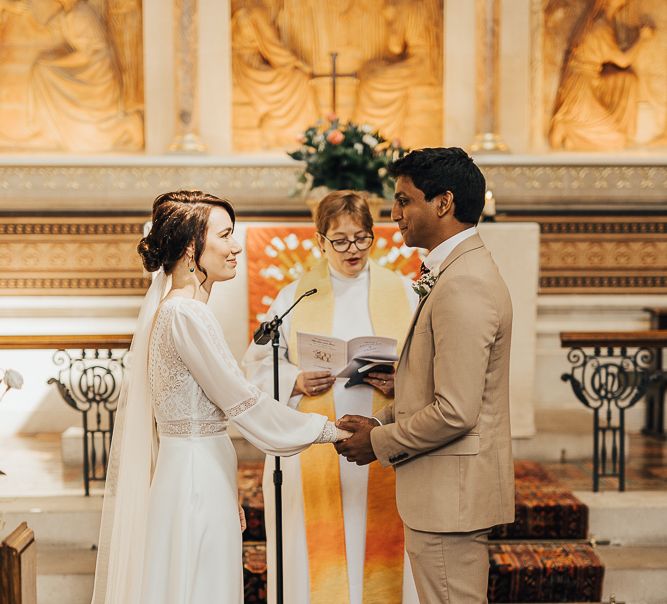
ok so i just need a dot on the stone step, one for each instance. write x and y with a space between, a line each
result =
74 520
634 574
62 520
629 518
65 575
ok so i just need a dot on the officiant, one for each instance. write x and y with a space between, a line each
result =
343 536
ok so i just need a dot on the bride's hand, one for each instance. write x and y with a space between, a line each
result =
242 518
342 434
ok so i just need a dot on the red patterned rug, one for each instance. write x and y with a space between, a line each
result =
254 572
530 572
545 509
519 572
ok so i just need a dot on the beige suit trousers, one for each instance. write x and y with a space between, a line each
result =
449 568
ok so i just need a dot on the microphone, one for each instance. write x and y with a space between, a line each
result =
265 331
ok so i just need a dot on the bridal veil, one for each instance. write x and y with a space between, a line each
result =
122 540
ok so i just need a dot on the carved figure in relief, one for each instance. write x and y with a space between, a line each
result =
596 104
124 19
394 45
61 86
274 80
400 93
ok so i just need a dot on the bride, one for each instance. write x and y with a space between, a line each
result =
171 531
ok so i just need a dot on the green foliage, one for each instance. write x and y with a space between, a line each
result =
346 156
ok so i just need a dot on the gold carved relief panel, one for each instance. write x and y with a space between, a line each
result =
602 254
71 75
96 255
71 256
388 65
601 71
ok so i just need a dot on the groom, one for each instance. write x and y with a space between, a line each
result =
447 433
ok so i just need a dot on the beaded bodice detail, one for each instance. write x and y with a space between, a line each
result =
180 405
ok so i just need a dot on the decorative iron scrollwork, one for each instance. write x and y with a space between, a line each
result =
90 383
609 381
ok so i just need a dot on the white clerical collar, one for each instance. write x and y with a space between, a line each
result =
340 276
439 253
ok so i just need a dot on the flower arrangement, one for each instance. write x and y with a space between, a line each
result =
342 155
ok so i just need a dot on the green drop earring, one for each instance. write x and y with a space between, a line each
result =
192 268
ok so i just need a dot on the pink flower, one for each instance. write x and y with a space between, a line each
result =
332 116
335 137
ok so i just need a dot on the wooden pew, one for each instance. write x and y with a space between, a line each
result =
18 567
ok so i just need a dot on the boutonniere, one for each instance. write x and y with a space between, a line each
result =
424 284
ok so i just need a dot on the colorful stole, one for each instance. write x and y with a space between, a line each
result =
323 507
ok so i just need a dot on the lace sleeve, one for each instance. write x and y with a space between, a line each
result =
236 410
331 434
274 428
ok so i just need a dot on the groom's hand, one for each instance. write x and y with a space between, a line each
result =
358 447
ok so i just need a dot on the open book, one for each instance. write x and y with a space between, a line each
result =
352 359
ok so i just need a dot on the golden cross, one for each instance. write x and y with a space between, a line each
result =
334 75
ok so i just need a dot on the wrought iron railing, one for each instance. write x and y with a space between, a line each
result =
90 378
654 422
610 373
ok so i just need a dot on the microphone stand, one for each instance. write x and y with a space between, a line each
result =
270 331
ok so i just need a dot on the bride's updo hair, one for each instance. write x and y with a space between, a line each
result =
179 218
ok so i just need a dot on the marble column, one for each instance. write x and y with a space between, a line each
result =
186 76
487 77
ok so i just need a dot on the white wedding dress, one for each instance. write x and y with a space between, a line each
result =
193 537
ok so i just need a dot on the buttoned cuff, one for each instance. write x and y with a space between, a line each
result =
381 442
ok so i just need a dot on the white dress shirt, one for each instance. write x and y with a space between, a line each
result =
439 253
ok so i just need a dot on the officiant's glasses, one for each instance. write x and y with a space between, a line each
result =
342 245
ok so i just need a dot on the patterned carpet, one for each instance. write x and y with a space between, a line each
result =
545 509
528 572
531 571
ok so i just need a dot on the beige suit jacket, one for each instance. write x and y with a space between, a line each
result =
447 433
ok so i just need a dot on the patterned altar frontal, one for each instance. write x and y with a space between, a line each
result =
279 255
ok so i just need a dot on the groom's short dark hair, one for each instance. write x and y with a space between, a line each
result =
435 171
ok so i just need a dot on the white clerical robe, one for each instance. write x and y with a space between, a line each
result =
351 319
